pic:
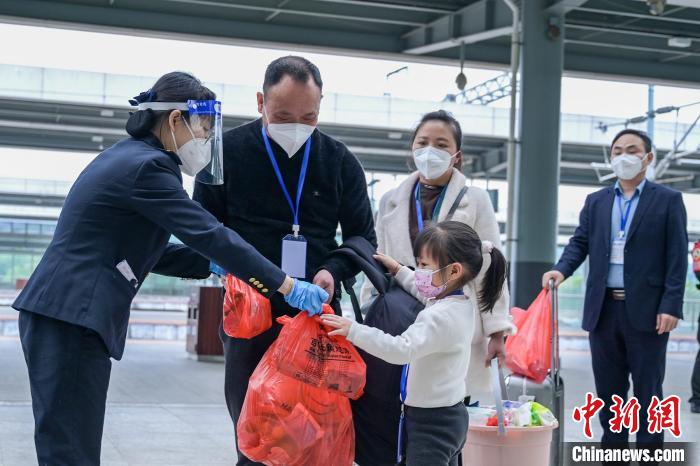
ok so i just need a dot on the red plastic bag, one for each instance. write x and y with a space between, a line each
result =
287 422
247 313
307 353
529 352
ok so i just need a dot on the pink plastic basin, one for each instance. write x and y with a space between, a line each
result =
521 446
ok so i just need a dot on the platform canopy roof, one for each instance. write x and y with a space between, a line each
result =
606 38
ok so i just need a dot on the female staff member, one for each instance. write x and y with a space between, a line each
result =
113 230
427 196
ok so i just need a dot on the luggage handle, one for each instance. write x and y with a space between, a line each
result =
554 296
498 389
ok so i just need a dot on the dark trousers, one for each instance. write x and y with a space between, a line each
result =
435 436
618 351
695 379
69 369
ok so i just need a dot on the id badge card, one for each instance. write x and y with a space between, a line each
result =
294 256
617 254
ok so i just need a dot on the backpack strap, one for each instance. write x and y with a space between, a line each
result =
360 251
375 274
455 204
348 285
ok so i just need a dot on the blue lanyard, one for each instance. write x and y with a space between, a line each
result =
402 397
419 209
624 217
404 379
302 177
455 293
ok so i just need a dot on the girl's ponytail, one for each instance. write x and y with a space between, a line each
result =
492 283
449 242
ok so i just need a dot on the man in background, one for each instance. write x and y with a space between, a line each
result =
634 235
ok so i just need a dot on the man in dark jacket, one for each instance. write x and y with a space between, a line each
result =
287 187
634 235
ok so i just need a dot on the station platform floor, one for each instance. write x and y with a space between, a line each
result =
164 408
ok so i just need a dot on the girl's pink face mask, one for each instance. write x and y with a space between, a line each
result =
424 283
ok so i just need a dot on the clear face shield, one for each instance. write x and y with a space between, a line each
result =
205 119
203 156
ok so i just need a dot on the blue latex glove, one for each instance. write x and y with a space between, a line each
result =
216 269
306 296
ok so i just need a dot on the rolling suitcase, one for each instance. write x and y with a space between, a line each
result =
550 392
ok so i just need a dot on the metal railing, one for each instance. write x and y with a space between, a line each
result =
381 111
35 187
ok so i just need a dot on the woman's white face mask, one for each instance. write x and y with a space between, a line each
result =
432 162
195 154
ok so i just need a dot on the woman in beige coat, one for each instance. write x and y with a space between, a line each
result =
428 196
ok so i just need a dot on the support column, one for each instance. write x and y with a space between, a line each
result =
537 161
650 112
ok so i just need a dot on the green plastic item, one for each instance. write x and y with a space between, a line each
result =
541 415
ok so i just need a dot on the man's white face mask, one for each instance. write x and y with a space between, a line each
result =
627 166
290 136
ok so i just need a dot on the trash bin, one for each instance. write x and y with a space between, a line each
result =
204 315
521 446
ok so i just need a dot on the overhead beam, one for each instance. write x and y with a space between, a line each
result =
24 216
601 64
291 11
33 200
176 26
624 31
119 20
667 51
480 21
644 16
595 65
79 128
40 127
492 161
389 6
562 7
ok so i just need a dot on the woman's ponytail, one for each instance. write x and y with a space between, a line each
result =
140 123
492 283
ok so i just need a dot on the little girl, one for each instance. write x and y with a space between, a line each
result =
437 345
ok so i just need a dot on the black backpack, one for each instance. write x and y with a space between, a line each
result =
393 310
